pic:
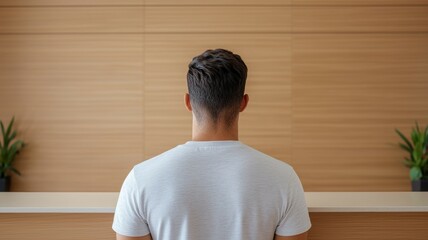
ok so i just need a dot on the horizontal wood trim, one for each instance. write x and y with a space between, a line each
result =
360 19
231 19
331 226
356 226
78 104
71 20
57 226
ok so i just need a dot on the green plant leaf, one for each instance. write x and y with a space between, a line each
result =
405 147
417 127
404 139
2 128
3 155
415 173
11 137
15 171
408 162
18 144
414 134
426 135
11 155
9 128
3 133
14 150
418 150
424 162
9 149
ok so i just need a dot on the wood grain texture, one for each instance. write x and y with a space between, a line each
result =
37 3
360 19
71 20
349 94
288 2
221 19
97 86
217 2
356 226
266 122
332 226
350 169
78 104
353 3
56 226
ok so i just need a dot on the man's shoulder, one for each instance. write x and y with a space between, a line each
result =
159 159
269 160
182 155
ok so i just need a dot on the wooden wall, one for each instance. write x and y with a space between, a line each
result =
97 85
325 226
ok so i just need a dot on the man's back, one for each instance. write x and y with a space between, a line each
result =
212 190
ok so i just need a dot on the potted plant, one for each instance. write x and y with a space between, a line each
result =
9 148
417 160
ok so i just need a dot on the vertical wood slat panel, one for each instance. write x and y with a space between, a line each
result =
357 19
349 94
354 3
71 20
78 104
349 3
216 2
220 19
258 124
68 3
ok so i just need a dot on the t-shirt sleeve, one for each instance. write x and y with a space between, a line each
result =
295 219
128 217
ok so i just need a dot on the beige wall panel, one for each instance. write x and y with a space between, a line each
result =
351 169
56 226
71 20
264 125
360 19
217 2
349 94
357 226
78 104
220 19
31 3
353 3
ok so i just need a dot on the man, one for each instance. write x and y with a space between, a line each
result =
213 187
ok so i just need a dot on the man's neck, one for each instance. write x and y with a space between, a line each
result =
214 132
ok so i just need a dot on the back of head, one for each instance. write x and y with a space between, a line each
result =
216 83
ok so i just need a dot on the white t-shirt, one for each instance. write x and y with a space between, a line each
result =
211 190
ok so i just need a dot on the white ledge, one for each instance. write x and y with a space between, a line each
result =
58 202
105 202
367 201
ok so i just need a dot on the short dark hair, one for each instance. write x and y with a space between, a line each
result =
216 83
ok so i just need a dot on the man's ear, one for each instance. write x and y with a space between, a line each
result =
244 102
187 102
